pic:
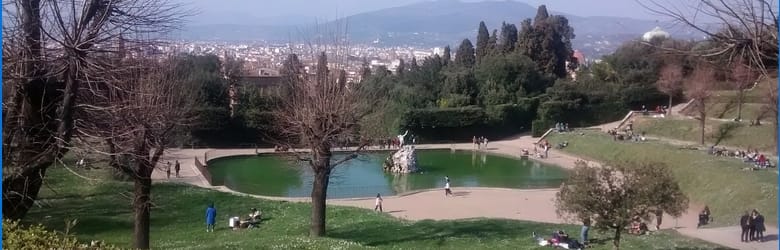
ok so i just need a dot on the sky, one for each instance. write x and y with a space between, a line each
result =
286 10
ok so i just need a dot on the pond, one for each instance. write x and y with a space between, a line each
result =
277 175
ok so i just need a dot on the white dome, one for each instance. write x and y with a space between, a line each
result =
655 33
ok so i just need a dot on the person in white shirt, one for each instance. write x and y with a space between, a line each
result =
447 190
378 203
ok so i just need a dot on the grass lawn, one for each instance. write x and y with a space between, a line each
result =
715 181
178 222
723 104
744 136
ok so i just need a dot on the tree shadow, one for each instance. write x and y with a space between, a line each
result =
725 131
727 107
369 233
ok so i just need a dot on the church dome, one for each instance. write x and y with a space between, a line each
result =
655 33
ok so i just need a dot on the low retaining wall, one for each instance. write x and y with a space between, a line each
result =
203 171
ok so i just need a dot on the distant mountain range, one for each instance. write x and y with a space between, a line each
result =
440 23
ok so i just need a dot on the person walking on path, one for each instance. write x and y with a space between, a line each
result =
168 170
744 223
177 167
378 203
659 216
211 218
447 191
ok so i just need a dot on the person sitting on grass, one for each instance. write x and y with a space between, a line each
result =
253 218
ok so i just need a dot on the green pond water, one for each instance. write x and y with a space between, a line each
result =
276 175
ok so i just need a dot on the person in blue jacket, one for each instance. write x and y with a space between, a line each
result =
211 218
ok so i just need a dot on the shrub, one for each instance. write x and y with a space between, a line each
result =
539 127
16 236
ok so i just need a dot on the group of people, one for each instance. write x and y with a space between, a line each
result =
561 239
480 142
176 167
752 226
251 221
545 146
561 127
750 156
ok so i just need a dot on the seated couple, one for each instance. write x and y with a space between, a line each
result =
559 239
638 227
254 218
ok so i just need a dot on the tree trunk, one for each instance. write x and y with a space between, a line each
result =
319 194
702 120
616 240
740 98
319 191
21 191
669 108
142 206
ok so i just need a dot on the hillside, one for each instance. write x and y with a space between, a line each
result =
443 22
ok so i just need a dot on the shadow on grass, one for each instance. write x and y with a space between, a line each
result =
369 233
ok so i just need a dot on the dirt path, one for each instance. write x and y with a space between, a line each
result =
531 205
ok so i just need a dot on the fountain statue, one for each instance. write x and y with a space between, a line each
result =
401 138
402 161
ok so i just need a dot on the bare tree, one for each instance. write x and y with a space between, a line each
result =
45 80
315 112
698 88
742 77
135 117
670 81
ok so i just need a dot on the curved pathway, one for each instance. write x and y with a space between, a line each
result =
532 205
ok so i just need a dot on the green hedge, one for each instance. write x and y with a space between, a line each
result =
539 127
443 118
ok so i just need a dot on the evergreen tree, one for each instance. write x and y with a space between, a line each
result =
342 78
547 41
401 67
465 55
414 67
365 70
541 14
492 44
508 37
482 42
323 73
446 57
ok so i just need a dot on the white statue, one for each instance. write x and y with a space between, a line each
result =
401 138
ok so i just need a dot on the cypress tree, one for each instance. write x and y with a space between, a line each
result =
365 71
465 56
492 45
446 57
401 67
482 41
508 37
